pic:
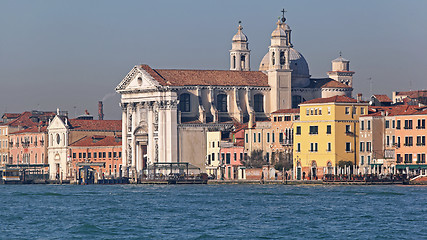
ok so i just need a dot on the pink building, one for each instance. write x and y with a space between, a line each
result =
29 146
231 156
411 146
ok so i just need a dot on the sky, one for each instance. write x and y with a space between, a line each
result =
71 54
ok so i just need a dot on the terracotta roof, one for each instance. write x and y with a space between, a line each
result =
34 129
95 125
291 110
22 121
175 77
382 98
88 141
392 110
326 83
413 94
11 115
334 99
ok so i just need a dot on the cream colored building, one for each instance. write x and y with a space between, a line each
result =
213 147
169 112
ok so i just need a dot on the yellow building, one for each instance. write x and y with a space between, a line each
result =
213 163
325 135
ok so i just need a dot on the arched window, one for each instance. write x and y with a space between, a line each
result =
273 58
234 62
259 103
184 102
282 58
222 102
242 61
296 100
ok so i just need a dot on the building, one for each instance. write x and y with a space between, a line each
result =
231 158
411 146
213 159
17 122
380 100
326 136
168 112
413 97
98 149
63 132
29 146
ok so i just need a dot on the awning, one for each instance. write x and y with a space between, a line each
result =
412 166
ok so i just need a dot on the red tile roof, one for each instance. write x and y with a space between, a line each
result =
34 129
22 121
291 110
174 77
382 98
95 125
88 141
326 83
413 94
392 110
11 115
334 99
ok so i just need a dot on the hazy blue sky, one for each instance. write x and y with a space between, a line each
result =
70 54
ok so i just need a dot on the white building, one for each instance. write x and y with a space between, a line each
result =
167 113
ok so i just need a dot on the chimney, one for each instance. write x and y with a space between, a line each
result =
359 97
100 111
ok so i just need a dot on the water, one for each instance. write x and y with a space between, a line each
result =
212 212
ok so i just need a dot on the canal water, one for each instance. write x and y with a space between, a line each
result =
212 212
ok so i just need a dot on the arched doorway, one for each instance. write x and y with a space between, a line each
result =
298 170
313 170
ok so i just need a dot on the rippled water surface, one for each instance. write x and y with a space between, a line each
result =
212 212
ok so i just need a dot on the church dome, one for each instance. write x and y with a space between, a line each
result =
240 36
297 63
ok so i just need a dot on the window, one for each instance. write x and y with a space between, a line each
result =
314 129
259 137
313 147
408 141
213 156
89 155
259 103
348 147
268 137
421 158
84 155
408 124
369 146
114 154
320 111
398 124
104 155
354 110
109 154
387 124
347 129
329 147
393 124
235 157
369 159
184 102
421 124
272 137
362 146
222 102
362 125
347 110
393 140
298 147
388 140
282 58
298 132
307 112
281 137
227 158
398 142
254 137
362 158
408 158
74 155
241 156
369 124
421 140
362 111
246 138
398 158
80 155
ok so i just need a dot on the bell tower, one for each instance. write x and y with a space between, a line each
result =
279 71
240 53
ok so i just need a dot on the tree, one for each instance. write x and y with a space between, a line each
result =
283 162
343 163
255 160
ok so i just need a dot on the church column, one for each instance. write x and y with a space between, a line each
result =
151 141
133 140
171 133
124 139
162 132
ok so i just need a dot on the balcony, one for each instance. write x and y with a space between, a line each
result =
349 133
286 142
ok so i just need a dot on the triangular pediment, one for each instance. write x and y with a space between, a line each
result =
137 79
56 123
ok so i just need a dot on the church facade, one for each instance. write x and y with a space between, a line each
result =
166 114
